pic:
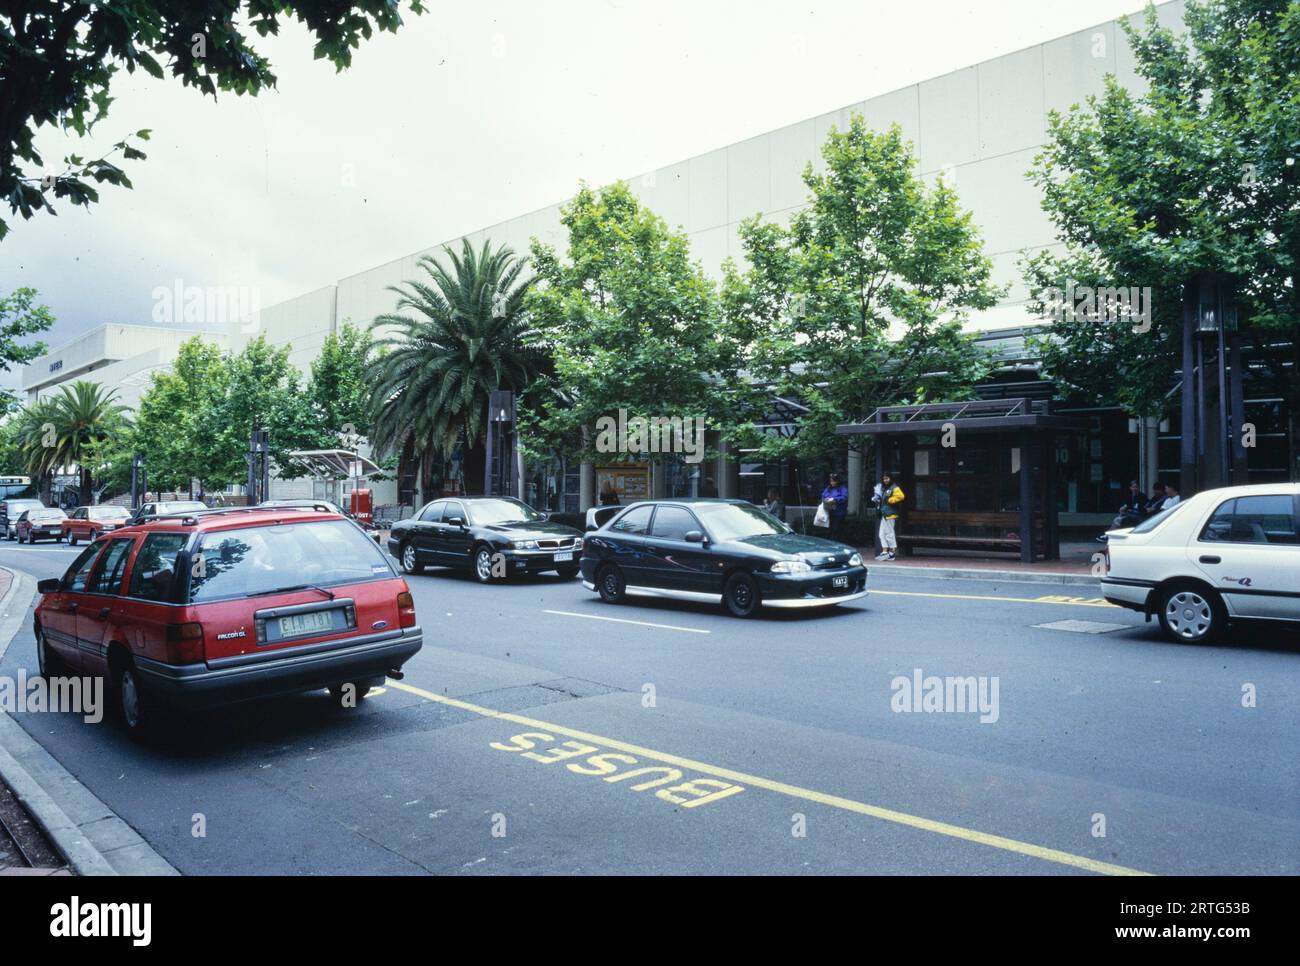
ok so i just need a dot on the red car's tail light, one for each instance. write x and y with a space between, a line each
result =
405 609
185 643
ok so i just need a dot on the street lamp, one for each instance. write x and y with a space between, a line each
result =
1216 316
1216 312
139 480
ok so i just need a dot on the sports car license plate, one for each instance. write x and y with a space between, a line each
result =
840 581
563 555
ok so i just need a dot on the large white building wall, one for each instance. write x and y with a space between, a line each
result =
979 126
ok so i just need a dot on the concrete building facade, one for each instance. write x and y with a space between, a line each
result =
119 356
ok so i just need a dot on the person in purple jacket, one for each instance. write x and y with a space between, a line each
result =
836 500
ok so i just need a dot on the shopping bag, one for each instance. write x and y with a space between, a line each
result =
822 519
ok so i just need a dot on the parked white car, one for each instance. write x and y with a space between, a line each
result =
1222 555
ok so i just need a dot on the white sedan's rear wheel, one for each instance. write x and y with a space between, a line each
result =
1192 614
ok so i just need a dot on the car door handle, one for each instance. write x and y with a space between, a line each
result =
104 612
72 608
1210 559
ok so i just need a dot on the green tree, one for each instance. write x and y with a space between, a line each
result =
452 341
860 302
35 436
12 460
78 428
87 419
260 389
629 322
1199 173
58 60
19 319
173 416
339 387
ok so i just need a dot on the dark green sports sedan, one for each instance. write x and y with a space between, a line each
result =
718 551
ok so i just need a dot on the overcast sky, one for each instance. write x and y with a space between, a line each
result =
471 114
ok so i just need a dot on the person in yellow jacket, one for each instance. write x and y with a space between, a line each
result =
887 497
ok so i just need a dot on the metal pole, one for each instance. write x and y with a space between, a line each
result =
1026 499
251 459
266 465
1236 392
1187 444
1202 417
1223 427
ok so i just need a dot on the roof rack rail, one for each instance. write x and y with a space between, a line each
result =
191 517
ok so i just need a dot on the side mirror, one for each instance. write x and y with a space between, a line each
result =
694 536
50 585
455 522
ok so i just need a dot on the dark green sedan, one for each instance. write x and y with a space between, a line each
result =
718 551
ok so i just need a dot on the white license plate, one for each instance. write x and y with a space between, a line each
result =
840 581
299 625
563 555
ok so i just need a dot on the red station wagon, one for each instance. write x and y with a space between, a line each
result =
88 522
223 606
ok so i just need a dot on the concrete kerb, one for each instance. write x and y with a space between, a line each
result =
877 568
85 831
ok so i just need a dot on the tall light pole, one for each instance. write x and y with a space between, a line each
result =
1210 319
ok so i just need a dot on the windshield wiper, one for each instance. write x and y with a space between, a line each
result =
285 590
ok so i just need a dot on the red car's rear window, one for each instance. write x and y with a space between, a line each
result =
258 560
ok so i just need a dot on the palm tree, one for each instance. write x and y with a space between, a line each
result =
452 340
70 429
35 436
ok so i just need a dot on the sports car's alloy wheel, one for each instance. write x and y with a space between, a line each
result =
483 564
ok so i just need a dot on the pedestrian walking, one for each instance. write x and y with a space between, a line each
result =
887 496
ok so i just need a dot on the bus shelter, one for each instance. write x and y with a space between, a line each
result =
978 474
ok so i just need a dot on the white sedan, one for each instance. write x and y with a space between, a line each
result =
1226 554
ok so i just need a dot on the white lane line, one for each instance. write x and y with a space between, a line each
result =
619 620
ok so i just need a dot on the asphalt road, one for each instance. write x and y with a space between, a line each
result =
669 738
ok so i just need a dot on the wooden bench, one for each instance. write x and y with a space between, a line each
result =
944 524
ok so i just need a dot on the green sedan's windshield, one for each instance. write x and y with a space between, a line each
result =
733 521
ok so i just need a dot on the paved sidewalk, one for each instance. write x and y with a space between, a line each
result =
87 833
1074 567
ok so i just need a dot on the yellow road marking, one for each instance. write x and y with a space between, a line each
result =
1047 599
794 791
619 620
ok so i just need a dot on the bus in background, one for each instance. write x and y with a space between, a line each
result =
16 495
13 487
